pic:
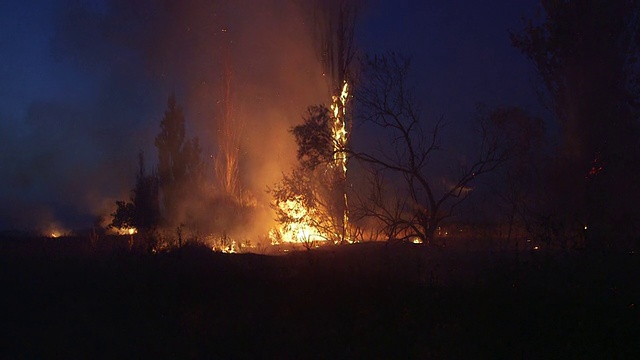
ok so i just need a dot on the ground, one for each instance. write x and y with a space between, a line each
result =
372 300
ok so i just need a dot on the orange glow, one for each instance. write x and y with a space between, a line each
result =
125 230
302 230
339 128
299 231
339 132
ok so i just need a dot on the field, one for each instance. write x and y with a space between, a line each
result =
370 300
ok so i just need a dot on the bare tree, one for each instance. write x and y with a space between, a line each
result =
380 206
385 100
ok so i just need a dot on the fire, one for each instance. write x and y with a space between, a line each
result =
54 231
339 132
339 128
299 231
302 229
125 230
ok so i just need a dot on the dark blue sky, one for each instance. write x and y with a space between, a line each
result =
83 86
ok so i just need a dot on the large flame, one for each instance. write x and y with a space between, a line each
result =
339 132
339 128
301 230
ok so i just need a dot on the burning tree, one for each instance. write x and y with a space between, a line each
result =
323 139
309 202
385 101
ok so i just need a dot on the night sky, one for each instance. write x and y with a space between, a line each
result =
83 85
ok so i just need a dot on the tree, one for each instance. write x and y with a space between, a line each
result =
314 139
142 212
333 26
180 165
228 131
311 196
382 204
585 52
334 23
385 101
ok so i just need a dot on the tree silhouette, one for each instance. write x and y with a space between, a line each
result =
180 166
142 212
313 137
386 102
586 55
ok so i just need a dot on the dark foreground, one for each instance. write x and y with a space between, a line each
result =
361 301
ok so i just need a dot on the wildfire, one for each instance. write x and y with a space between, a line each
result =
125 231
339 132
298 231
54 231
302 229
339 128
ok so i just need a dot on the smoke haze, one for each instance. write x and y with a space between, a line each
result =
129 56
84 85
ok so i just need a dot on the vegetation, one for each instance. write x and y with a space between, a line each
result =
385 101
315 184
586 54
95 294
180 166
142 212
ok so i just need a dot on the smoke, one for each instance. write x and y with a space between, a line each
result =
116 63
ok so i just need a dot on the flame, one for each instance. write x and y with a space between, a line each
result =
339 132
339 128
232 248
125 230
300 230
